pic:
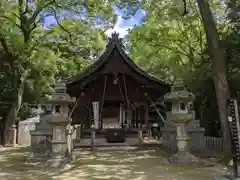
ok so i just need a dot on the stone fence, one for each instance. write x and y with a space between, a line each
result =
214 143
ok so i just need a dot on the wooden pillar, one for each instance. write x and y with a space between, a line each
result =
133 118
139 115
125 116
121 115
136 116
102 100
140 136
129 115
90 115
146 114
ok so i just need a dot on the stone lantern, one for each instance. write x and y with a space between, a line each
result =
180 115
60 122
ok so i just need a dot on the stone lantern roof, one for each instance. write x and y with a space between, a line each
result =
60 96
179 92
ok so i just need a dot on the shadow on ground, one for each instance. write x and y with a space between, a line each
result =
13 166
112 165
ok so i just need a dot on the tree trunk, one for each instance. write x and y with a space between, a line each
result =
14 110
217 56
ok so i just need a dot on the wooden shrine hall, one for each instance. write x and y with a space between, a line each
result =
114 93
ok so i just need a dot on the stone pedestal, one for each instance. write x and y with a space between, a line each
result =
59 156
93 139
183 156
11 136
196 142
41 138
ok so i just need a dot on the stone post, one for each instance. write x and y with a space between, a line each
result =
12 135
69 137
93 139
78 133
74 134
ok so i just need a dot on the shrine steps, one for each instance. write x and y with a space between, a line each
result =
130 142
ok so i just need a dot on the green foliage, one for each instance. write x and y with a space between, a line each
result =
35 57
173 47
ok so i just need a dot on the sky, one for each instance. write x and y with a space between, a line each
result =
122 26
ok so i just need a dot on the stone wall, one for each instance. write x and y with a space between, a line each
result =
41 136
24 136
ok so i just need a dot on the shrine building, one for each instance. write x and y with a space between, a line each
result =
114 92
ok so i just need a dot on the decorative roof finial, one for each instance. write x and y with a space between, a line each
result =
115 36
114 39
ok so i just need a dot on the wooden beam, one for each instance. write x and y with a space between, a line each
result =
154 105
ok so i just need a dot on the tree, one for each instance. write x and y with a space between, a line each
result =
218 59
174 47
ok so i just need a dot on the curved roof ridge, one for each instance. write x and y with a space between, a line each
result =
138 68
115 42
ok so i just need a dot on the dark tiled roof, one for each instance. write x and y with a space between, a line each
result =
115 44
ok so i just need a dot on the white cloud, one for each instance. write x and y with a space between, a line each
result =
121 30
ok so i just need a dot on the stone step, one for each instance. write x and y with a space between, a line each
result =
78 145
134 143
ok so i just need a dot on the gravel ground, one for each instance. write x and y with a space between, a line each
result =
112 165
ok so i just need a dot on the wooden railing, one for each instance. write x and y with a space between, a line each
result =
214 143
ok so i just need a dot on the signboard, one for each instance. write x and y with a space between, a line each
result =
96 114
234 128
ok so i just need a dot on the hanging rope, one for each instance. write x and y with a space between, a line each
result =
155 107
125 88
121 92
129 113
103 97
75 105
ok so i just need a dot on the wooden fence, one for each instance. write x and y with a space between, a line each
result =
214 143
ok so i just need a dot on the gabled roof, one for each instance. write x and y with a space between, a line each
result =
114 43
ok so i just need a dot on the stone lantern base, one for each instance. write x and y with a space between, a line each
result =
183 158
62 163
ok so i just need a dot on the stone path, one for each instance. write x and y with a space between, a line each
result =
101 165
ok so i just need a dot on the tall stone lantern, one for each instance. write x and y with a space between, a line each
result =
60 122
180 115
